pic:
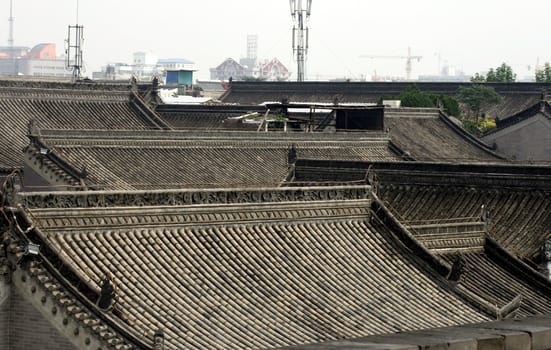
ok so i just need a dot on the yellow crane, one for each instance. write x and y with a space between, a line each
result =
408 59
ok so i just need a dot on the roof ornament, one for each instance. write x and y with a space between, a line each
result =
371 179
134 83
485 217
546 250
292 154
6 266
108 292
84 172
159 340
155 84
9 190
32 127
457 269
31 252
509 310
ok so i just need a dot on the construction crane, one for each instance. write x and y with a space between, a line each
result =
408 59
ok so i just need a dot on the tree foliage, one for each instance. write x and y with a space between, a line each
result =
478 125
478 78
476 95
412 96
501 74
543 75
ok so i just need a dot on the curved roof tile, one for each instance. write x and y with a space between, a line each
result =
324 273
65 106
121 160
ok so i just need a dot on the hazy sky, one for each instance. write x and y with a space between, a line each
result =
471 35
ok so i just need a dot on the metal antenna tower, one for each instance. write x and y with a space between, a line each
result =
74 41
10 39
11 20
300 16
73 51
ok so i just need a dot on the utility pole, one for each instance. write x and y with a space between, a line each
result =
300 16
10 39
11 20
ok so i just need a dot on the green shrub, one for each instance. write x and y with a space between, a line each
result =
414 97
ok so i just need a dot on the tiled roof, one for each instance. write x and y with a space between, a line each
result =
489 279
252 275
428 135
217 117
540 107
65 107
517 96
526 333
148 160
520 219
517 197
512 104
519 203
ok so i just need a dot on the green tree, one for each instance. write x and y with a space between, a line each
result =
491 76
544 75
412 96
504 74
476 95
501 74
478 78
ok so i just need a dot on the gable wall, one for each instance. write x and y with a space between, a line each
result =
27 328
527 140
4 314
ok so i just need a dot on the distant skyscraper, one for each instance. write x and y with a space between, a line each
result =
252 47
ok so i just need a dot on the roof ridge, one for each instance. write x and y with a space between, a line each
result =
516 118
111 199
469 138
146 112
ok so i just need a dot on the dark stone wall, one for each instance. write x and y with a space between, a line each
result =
32 181
28 329
529 140
4 315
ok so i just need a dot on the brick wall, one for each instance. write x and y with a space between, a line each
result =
29 330
4 315
527 140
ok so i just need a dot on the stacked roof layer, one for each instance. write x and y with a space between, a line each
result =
205 244
257 275
428 135
66 106
199 160
516 96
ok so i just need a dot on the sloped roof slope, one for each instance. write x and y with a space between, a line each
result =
488 273
147 160
516 96
428 135
209 117
517 198
491 280
263 273
25 105
540 107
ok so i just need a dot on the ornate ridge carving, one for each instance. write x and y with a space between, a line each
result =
59 220
216 136
107 199
65 141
